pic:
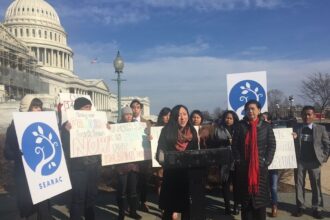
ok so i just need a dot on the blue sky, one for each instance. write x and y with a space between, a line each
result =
179 51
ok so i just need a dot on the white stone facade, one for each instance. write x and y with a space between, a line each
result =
35 58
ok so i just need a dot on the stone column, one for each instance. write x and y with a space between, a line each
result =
38 54
65 63
62 59
44 56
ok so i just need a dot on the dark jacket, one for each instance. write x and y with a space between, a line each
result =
175 190
223 138
321 143
12 152
266 150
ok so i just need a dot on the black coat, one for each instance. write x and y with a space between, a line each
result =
12 152
175 192
266 150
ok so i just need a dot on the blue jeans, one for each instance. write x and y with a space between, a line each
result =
273 180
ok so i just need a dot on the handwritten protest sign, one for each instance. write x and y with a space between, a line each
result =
89 134
66 102
129 143
285 154
155 133
42 154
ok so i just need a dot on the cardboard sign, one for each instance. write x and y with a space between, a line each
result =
285 154
43 158
242 87
155 133
89 134
66 102
129 143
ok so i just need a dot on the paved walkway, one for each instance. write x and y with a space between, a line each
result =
107 208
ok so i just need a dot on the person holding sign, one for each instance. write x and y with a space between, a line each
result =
137 108
312 150
84 172
127 179
40 211
175 195
253 151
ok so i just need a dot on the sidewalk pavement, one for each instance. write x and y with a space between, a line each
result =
325 178
107 208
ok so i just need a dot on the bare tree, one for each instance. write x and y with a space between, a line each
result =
316 88
217 112
275 101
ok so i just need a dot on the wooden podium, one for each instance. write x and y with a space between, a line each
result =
196 158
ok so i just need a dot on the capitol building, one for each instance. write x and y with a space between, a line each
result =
35 58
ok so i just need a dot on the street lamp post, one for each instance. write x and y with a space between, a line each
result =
291 100
277 110
118 63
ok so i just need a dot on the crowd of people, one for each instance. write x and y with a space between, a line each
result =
245 178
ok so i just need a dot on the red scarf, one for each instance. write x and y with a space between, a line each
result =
251 155
184 137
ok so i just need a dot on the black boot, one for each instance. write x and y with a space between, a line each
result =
133 204
121 208
227 208
235 209
90 213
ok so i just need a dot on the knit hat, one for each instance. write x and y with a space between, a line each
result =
26 102
81 102
126 110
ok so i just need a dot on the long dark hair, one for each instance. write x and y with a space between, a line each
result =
172 126
224 116
164 111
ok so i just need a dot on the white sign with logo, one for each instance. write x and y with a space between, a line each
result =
42 154
89 134
129 143
285 154
155 133
242 87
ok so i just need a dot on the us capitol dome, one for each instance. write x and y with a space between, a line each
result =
36 23
36 59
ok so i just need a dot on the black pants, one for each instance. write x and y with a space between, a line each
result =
143 178
40 211
126 187
197 177
226 189
250 213
143 186
84 193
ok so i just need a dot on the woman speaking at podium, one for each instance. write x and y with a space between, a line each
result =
175 195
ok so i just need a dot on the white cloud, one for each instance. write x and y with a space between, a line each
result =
199 81
117 12
96 49
254 50
177 50
103 12
210 5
